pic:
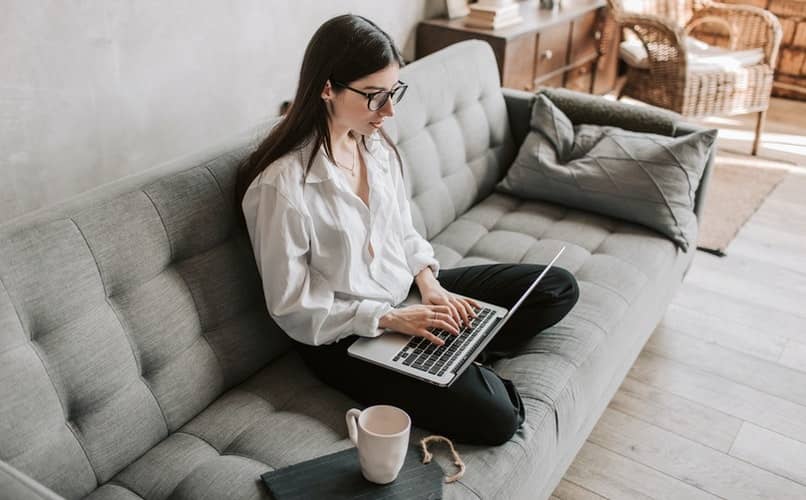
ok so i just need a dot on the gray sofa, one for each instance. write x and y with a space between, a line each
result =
137 358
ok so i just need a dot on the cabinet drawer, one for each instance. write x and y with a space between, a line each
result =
518 56
584 36
552 50
580 78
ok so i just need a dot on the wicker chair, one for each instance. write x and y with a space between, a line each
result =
667 82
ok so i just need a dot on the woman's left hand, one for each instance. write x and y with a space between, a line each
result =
462 309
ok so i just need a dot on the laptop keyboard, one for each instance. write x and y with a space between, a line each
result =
420 354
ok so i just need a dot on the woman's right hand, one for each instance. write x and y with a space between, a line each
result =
417 319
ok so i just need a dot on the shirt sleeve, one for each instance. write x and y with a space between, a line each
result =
300 299
419 252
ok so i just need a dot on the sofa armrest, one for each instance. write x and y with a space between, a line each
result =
519 109
585 108
15 484
595 110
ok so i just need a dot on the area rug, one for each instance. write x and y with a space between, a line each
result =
735 191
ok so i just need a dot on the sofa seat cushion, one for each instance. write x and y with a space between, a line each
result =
612 260
504 228
625 274
284 415
280 416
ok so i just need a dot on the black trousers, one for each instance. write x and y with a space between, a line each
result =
479 407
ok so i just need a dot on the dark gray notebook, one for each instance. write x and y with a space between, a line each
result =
338 476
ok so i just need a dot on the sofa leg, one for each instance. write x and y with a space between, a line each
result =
762 116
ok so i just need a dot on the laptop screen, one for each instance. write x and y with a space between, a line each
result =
531 287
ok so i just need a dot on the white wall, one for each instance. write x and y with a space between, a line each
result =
94 90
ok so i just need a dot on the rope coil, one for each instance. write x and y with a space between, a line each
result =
457 460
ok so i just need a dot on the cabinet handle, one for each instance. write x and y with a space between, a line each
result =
547 54
597 35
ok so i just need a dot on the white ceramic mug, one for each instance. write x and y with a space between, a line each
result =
382 439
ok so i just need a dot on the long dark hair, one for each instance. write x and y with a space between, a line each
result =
345 48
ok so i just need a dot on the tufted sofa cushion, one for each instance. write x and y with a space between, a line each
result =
120 320
453 133
280 416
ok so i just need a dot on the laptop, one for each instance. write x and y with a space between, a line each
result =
440 365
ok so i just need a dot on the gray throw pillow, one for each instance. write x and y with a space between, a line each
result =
644 178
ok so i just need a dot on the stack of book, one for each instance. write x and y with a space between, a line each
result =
493 14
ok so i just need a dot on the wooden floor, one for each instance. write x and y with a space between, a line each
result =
715 405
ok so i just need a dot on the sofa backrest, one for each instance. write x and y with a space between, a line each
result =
126 311
453 133
122 315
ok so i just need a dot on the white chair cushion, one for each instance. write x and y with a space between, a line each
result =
701 57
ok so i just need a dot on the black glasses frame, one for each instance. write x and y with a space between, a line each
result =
371 95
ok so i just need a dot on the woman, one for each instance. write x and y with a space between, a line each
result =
327 213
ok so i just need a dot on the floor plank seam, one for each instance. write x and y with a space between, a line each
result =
654 424
746 300
648 466
605 497
681 331
687 400
700 369
728 298
784 338
733 457
730 453
756 423
776 474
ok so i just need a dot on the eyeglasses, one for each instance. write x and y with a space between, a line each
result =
377 100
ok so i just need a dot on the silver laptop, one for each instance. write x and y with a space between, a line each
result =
440 365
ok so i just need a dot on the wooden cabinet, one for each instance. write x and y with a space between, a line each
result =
562 47
551 58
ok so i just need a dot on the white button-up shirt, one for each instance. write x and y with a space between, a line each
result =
311 238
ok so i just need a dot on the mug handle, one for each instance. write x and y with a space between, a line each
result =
352 430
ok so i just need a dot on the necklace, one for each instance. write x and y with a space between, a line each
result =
351 169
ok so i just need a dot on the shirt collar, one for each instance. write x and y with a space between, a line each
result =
378 150
323 169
